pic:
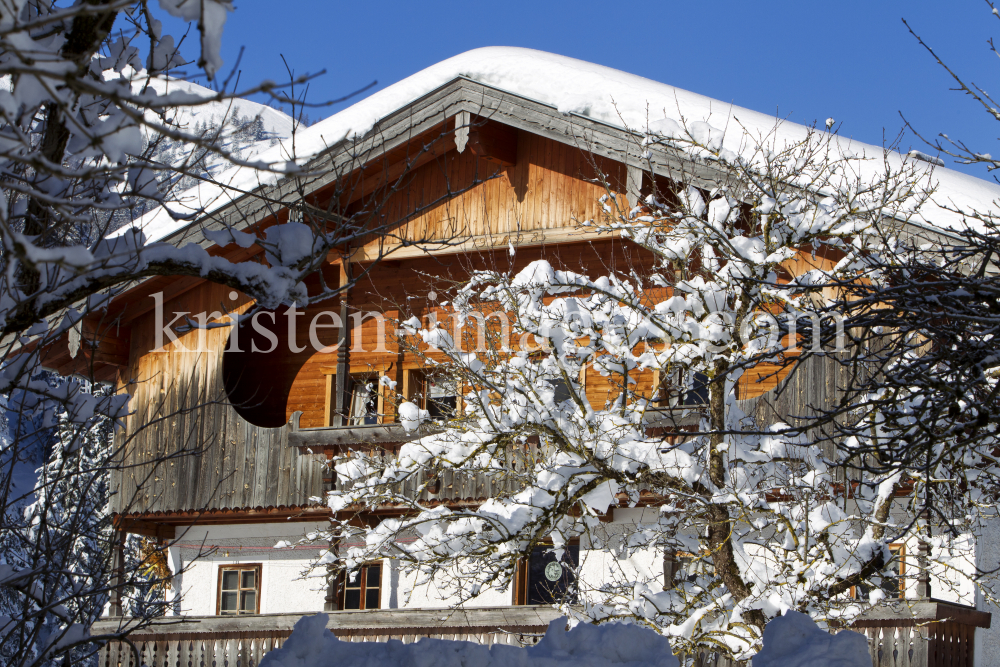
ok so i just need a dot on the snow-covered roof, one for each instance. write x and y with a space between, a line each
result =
213 113
572 86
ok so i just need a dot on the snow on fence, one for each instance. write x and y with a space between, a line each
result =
915 634
242 641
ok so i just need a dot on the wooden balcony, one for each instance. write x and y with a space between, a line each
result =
661 419
344 436
907 633
922 633
448 485
241 641
910 633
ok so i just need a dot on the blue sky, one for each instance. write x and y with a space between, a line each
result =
852 60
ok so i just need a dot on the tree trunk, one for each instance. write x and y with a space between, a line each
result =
85 37
720 527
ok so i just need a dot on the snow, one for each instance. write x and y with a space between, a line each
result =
213 116
920 155
575 87
213 113
794 640
211 16
410 415
312 645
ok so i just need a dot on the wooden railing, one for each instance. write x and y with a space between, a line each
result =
241 641
907 634
926 633
448 485
663 419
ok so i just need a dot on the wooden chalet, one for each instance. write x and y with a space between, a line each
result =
225 452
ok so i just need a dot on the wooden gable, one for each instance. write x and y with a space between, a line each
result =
526 175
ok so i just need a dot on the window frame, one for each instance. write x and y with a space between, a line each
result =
664 385
522 580
240 567
362 378
364 588
898 551
353 377
674 562
417 390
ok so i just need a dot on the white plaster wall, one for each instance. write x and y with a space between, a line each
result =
431 595
286 584
952 569
600 566
987 652
596 566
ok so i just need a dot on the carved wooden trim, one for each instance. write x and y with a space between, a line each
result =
462 120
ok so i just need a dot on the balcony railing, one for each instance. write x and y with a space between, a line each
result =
448 485
925 633
241 641
338 436
909 633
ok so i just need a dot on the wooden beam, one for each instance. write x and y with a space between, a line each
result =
476 620
480 243
160 531
462 121
341 405
151 521
117 594
101 343
633 187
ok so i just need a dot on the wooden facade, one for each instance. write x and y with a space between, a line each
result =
224 435
241 432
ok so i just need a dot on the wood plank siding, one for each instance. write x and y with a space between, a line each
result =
209 457
214 455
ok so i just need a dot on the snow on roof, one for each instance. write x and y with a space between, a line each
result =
572 86
275 121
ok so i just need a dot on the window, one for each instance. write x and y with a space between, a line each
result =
364 401
684 567
239 589
438 395
893 577
698 395
669 390
442 398
544 579
560 391
363 588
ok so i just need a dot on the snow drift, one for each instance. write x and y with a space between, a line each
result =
792 640
609 645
